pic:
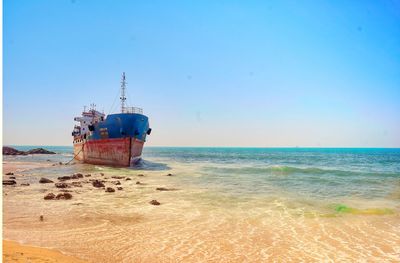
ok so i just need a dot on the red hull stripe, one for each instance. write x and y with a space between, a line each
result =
115 152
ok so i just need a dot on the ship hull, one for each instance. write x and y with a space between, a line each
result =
112 152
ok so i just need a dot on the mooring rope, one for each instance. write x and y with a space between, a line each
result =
74 156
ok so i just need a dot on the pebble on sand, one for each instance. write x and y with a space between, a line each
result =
155 202
63 196
45 181
49 196
62 185
110 190
97 183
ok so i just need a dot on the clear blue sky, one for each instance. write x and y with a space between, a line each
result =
207 73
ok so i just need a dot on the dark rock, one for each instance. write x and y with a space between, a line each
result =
64 178
140 175
88 175
118 177
110 190
60 163
39 151
77 175
116 182
9 182
10 173
48 160
49 196
41 218
62 185
137 182
120 188
12 151
101 174
97 183
155 202
25 184
168 174
63 196
65 191
127 179
12 177
45 181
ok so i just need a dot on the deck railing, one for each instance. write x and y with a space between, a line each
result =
133 110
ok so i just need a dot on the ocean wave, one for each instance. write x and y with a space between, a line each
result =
288 170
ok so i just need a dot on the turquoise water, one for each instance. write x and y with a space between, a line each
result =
322 173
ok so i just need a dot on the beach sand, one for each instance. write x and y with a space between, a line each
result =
14 252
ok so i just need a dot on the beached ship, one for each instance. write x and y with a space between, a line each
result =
115 140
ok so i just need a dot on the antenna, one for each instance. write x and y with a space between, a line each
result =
123 98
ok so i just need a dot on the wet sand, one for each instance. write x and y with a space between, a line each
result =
190 225
14 252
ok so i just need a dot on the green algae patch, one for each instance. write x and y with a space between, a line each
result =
341 208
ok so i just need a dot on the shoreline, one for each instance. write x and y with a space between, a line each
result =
16 252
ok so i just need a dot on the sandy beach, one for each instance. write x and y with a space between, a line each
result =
14 252
198 219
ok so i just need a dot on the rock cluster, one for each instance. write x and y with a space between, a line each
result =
9 182
12 151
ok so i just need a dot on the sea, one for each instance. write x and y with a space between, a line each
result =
223 205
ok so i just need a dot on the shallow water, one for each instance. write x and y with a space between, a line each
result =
227 205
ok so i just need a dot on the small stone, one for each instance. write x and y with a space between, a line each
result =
64 178
60 163
62 185
45 181
63 196
10 173
140 175
49 196
9 182
116 182
120 188
88 175
137 182
110 190
41 218
127 179
25 184
12 177
155 202
47 160
163 189
168 174
97 183
101 174
118 177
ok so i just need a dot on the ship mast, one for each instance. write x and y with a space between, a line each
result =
123 98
